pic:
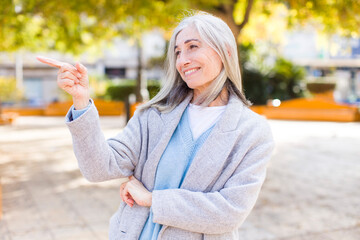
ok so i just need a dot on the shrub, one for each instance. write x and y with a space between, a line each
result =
281 81
122 91
8 90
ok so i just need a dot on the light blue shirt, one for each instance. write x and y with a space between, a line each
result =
173 166
77 113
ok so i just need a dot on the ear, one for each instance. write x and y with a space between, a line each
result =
228 50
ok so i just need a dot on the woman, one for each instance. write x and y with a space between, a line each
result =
195 154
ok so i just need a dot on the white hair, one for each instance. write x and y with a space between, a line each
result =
217 34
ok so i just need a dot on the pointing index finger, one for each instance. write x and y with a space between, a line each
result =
51 62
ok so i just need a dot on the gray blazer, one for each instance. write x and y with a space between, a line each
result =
219 190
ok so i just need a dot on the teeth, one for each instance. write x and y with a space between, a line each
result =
190 71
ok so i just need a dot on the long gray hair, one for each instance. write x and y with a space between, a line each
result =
216 33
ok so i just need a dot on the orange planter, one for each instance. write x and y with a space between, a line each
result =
23 111
8 117
133 108
105 108
320 108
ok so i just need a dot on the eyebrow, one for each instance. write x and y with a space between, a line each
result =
187 41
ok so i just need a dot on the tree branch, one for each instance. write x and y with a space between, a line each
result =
250 3
226 13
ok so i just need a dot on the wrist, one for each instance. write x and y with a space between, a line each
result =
80 103
150 199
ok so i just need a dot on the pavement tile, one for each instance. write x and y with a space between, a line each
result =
341 234
255 233
32 235
4 233
101 230
73 233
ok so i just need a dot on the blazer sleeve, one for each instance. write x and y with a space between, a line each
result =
220 211
100 159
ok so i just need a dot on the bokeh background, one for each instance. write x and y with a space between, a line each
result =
300 62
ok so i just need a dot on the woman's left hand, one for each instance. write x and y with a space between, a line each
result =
134 190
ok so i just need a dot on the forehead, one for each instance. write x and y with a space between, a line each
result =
187 33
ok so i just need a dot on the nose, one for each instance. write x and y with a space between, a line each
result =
183 59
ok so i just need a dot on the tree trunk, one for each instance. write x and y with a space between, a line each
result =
141 92
139 80
226 13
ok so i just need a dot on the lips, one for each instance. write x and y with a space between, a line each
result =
190 71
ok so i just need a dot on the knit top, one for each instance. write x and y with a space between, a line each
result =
173 166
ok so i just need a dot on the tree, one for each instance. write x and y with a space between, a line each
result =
340 16
252 20
76 26
8 91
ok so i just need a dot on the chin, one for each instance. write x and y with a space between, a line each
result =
191 86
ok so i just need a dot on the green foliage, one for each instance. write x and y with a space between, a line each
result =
254 85
157 61
8 90
123 90
283 81
340 16
153 88
75 26
98 85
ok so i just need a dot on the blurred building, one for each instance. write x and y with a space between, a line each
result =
117 62
328 59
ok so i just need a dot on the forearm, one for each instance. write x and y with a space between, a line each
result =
98 159
209 213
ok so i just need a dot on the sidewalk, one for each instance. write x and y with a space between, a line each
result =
312 190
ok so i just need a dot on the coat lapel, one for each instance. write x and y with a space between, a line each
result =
211 157
168 125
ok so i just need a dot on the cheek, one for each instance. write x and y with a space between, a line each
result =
178 68
215 65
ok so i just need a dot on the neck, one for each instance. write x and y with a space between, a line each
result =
221 100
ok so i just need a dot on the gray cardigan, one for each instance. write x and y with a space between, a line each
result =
221 185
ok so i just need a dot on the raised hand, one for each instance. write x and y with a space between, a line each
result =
72 79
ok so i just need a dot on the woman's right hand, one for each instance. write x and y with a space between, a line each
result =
125 196
72 79
133 191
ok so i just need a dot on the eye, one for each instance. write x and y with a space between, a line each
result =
193 46
177 53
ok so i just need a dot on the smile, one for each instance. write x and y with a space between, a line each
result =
191 71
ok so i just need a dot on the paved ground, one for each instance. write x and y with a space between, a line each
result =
312 190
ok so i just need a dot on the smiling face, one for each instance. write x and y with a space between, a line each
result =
197 63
